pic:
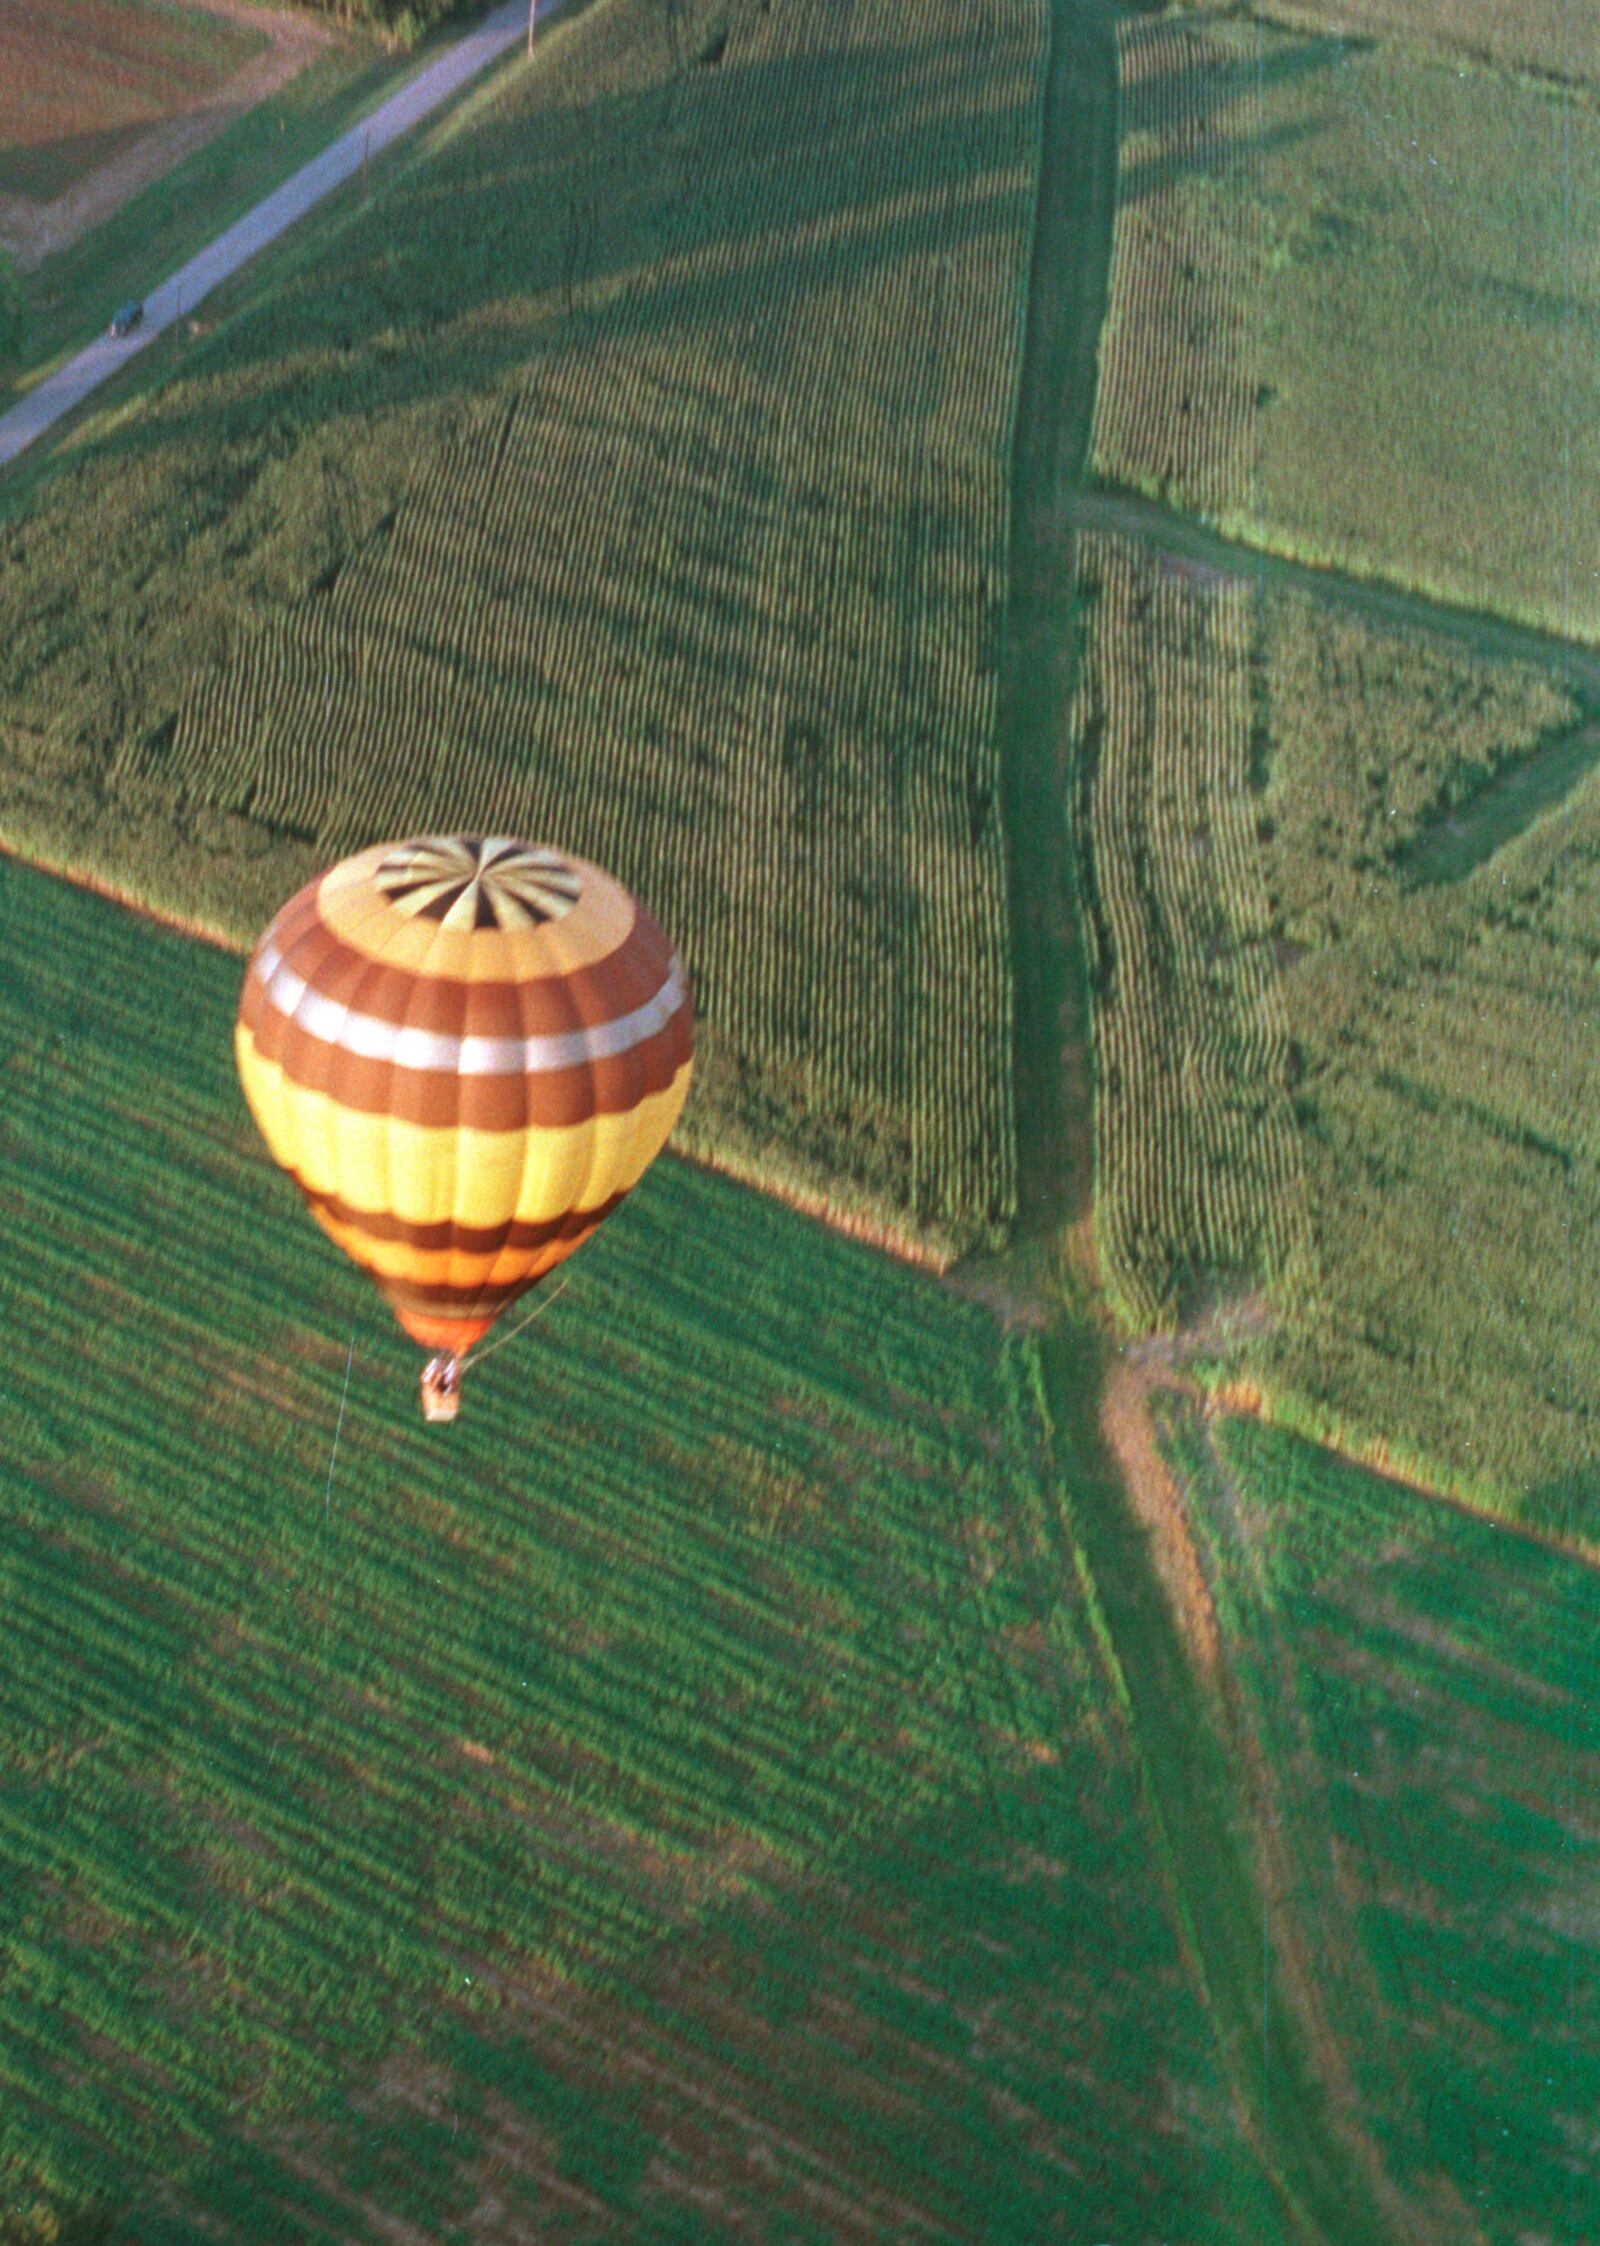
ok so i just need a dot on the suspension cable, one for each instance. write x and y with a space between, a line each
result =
487 1349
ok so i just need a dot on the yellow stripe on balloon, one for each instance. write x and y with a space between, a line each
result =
425 1175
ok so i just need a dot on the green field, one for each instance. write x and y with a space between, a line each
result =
691 1775
1447 1055
1339 896
622 477
764 1774
1321 247
1420 1690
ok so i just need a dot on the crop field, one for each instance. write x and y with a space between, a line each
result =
1422 1693
1175 402
1444 1030
82 79
634 471
1320 246
459 1831
1197 1170
1339 895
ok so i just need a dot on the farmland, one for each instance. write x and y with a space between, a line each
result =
80 80
1320 246
785 1766
1446 1054
1341 961
1419 1691
393 1827
1197 1170
174 187
670 523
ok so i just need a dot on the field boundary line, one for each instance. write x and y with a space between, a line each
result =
851 1224
85 877
1242 1399
1189 1781
1068 283
1148 522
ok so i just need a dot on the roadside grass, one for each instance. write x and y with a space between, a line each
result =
1321 245
81 79
632 470
689 1796
1421 1691
1262 786
69 298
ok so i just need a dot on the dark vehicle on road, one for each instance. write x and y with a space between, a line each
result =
125 321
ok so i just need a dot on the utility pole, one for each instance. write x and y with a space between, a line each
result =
533 10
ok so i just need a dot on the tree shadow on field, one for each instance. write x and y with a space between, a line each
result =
1211 120
718 205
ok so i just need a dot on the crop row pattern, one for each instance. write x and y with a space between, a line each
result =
1198 1175
686 599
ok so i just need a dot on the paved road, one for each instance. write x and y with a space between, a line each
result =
429 90
1147 521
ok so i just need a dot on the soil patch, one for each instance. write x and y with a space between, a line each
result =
113 150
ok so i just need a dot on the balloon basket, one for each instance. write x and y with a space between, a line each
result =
441 1388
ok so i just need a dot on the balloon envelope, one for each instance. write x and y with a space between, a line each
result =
464 1051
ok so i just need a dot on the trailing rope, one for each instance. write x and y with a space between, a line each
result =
487 1349
344 1394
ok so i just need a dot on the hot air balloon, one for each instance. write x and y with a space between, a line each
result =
465 1051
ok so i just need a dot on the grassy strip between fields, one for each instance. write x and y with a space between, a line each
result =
1551 40
1071 257
1194 1794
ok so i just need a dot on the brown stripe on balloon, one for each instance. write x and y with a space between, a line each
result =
441 1299
382 1228
441 1099
536 1005
277 1034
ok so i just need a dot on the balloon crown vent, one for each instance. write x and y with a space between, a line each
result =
475 881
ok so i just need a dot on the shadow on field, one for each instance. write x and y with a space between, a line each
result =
1212 119
721 203
39 171
965 2028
